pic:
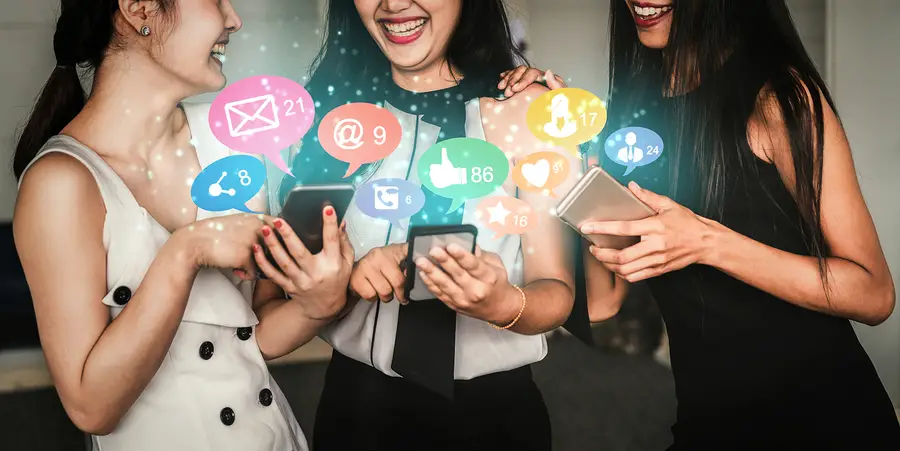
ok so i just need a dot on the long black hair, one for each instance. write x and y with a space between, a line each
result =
761 45
350 67
85 33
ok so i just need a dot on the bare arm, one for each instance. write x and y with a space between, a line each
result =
99 368
547 247
858 275
605 291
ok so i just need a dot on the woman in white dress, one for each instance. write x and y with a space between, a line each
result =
154 332
451 372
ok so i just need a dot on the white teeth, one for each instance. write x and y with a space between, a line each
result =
404 29
218 49
651 11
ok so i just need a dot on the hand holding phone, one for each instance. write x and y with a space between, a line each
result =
599 197
379 275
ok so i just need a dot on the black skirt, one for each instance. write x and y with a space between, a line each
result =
362 409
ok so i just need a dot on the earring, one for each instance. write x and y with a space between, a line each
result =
145 31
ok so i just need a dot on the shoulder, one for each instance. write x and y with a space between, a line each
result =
55 190
518 103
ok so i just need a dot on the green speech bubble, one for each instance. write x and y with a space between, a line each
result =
463 169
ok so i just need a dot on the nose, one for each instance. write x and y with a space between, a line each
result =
395 6
233 21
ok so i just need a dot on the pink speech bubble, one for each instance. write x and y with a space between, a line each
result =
506 215
262 115
359 133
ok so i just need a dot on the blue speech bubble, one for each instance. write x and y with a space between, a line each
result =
229 183
633 147
390 199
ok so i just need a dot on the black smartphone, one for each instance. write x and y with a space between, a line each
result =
303 212
420 241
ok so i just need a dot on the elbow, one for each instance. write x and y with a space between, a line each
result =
882 306
603 311
93 420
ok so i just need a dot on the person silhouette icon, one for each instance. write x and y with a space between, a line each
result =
559 108
630 153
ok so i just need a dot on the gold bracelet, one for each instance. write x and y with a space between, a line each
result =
516 319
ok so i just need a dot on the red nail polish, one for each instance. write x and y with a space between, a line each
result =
278 223
266 231
256 248
329 211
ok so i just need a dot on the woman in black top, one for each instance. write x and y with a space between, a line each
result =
763 249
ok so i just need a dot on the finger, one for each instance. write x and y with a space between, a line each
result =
650 261
441 280
655 201
395 277
331 244
468 261
382 286
554 81
270 271
514 78
295 246
504 79
285 262
361 286
624 228
347 251
434 289
527 80
451 267
644 248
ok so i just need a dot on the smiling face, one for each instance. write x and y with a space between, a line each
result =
193 46
413 34
653 20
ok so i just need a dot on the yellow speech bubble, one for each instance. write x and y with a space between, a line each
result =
566 117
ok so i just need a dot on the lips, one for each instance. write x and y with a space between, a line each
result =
647 15
403 30
218 51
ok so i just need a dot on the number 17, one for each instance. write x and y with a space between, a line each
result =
584 119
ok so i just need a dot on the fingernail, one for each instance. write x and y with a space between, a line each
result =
329 211
343 225
266 231
587 229
256 248
278 223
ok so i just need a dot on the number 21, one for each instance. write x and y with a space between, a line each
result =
290 106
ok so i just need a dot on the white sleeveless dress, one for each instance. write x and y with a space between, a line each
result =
213 390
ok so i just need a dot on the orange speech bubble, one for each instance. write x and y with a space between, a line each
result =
541 172
359 133
506 215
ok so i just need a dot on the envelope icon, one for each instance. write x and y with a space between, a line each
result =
249 116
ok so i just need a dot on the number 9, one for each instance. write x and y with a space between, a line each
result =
380 135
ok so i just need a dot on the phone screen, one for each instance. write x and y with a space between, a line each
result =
421 246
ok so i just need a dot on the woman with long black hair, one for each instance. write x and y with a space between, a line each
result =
464 357
763 250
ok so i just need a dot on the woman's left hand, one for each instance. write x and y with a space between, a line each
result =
475 285
670 240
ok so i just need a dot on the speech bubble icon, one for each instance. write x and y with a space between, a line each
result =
566 117
541 172
506 215
262 115
633 147
463 169
229 183
359 133
390 199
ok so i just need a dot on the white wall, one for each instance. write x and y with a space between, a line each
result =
280 37
863 73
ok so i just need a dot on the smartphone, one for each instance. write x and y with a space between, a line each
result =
600 197
303 212
420 241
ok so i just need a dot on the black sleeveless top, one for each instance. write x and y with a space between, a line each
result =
752 370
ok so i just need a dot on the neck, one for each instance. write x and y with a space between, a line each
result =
133 110
433 77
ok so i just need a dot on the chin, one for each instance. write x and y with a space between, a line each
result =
654 40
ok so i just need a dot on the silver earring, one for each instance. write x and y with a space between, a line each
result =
145 31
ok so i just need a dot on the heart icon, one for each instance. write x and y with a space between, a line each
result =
536 174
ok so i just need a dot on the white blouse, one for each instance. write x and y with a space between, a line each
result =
369 330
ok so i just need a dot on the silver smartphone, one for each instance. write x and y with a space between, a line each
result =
600 197
421 240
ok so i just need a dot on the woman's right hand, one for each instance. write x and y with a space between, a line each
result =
223 242
378 275
516 80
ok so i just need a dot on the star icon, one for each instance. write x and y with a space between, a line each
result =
498 214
